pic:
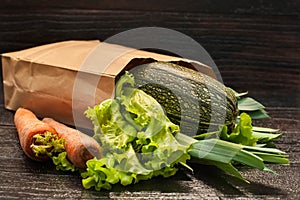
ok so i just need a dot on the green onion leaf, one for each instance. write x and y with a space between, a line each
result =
249 104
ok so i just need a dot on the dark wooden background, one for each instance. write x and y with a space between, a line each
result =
255 45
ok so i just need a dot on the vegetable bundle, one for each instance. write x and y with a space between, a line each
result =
140 142
141 137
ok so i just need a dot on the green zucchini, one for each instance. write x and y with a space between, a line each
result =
195 101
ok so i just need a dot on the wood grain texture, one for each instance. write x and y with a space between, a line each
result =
255 45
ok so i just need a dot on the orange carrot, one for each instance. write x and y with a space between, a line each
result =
79 146
28 125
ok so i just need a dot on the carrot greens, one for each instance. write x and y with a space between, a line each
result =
50 145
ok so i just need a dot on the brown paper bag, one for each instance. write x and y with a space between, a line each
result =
42 78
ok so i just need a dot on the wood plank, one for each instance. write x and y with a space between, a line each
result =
222 35
288 7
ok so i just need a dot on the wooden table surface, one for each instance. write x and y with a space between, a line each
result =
255 45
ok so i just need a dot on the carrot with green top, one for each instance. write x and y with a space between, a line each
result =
47 138
79 146
28 127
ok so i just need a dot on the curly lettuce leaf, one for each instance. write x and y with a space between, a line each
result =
62 163
138 139
242 134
